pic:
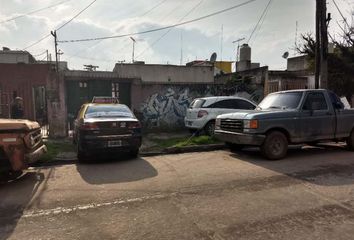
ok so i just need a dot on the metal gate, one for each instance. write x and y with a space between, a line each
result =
80 92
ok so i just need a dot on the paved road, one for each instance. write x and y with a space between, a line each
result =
213 195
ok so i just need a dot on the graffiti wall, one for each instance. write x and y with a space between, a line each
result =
166 108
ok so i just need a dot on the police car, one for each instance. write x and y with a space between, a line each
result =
105 126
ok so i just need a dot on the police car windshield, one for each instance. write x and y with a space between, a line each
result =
108 111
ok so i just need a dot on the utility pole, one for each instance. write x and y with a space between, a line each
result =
54 34
321 52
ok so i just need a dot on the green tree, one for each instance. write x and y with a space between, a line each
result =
340 62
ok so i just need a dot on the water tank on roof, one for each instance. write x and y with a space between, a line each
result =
245 53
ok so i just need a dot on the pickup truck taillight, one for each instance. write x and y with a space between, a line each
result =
202 113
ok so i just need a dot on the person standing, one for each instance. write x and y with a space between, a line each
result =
17 108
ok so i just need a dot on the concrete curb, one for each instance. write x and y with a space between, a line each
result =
167 151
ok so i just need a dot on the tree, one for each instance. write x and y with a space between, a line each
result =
340 62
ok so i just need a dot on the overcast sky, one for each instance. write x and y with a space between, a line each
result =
274 36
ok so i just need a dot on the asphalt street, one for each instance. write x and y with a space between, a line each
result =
211 195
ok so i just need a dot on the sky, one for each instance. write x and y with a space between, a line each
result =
275 34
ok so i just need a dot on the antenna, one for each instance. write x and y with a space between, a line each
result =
238 46
213 57
285 55
296 37
222 39
181 60
134 41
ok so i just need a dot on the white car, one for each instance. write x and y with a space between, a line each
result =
202 112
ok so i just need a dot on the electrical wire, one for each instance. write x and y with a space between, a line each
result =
340 12
161 28
78 14
153 8
63 25
259 20
124 46
40 54
35 11
169 30
260 26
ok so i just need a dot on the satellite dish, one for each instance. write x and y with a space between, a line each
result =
286 55
213 57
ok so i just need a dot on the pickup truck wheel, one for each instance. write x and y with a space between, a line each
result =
275 146
350 141
134 153
209 128
234 147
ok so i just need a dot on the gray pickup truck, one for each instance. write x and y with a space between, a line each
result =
288 117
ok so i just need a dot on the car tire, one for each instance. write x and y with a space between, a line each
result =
80 153
234 147
134 153
275 146
10 175
350 141
209 128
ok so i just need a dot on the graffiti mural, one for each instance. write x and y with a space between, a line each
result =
167 108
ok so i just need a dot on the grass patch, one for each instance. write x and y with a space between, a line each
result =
183 142
54 148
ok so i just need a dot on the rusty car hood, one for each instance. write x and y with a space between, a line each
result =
18 124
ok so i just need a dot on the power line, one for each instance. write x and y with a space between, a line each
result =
63 25
340 12
142 15
78 14
35 11
260 26
161 28
38 41
153 8
259 20
40 54
169 30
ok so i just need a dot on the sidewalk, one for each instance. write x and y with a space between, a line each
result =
153 144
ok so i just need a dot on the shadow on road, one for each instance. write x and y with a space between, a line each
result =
14 198
111 170
326 165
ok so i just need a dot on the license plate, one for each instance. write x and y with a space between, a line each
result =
117 143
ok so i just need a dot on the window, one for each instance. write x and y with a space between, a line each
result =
115 90
285 100
228 103
83 84
245 105
315 101
197 103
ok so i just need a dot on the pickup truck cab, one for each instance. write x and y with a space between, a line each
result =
20 145
288 117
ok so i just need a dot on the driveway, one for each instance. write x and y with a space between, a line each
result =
212 195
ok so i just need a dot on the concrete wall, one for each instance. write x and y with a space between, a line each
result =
163 106
297 63
151 73
56 106
21 78
15 57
